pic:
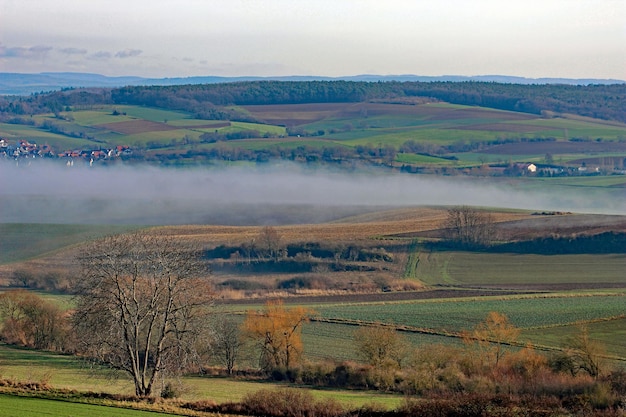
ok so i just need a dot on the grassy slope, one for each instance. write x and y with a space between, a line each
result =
377 125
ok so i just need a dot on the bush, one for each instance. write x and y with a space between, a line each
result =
617 380
279 374
289 403
169 391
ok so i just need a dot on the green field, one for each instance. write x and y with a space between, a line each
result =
24 241
590 181
152 114
546 319
14 406
68 372
471 268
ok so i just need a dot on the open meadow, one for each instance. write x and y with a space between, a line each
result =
65 372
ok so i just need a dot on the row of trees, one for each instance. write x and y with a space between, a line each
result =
132 343
29 320
470 228
208 100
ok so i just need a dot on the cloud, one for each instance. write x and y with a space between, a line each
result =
128 53
100 55
73 51
33 52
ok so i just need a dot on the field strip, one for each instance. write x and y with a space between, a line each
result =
399 327
577 323
14 403
462 335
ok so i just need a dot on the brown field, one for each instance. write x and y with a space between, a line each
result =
369 227
297 114
535 226
300 114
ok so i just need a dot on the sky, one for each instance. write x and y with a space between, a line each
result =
167 38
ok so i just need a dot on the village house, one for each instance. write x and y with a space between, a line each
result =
528 167
25 149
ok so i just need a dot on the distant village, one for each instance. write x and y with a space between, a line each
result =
25 150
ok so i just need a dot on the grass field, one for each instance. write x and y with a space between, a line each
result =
590 181
14 406
67 372
470 268
545 320
455 315
24 241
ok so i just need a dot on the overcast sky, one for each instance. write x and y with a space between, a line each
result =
170 38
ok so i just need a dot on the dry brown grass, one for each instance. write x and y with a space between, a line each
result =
365 230
363 227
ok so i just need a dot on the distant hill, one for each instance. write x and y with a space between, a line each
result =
24 84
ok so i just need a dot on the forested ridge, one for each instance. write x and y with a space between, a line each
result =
208 100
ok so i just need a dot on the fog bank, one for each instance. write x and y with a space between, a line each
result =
53 193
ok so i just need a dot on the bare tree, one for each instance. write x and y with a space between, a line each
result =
268 243
141 305
586 354
469 227
226 342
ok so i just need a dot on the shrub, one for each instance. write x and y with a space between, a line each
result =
279 373
289 403
617 380
317 373
169 391
601 396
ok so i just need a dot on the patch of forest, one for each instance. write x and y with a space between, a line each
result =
211 101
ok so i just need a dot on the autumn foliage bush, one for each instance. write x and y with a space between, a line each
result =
289 403
28 320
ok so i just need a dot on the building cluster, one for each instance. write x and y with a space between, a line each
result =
24 149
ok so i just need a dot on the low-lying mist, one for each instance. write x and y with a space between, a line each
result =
279 194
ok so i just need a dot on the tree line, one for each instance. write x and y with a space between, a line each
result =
209 101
